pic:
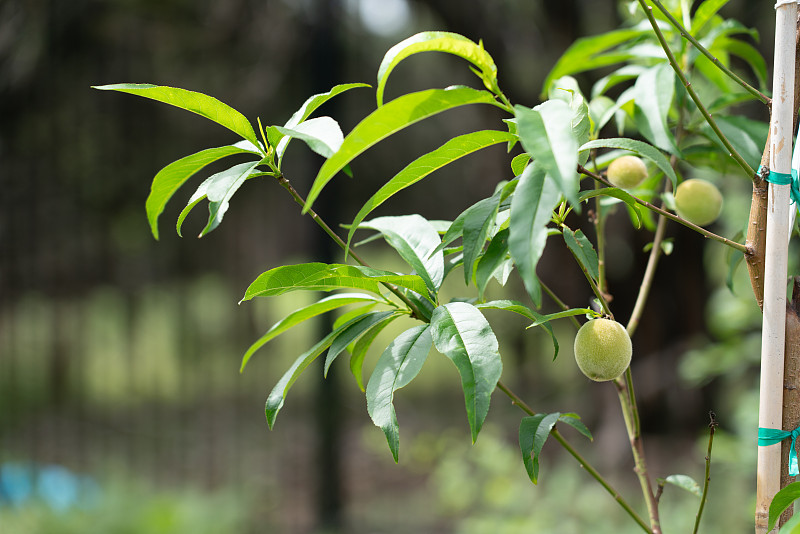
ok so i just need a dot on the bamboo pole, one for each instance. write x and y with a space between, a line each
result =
774 323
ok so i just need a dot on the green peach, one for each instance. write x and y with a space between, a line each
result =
627 172
603 349
698 201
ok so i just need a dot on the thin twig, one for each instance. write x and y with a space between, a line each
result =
703 50
668 215
712 425
560 303
709 119
647 279
581 460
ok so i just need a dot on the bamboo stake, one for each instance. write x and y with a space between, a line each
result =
774 323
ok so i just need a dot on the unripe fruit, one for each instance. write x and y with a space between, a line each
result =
603 349
627 172
698 201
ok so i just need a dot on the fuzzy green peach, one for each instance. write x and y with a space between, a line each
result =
698 201
627 172
603 349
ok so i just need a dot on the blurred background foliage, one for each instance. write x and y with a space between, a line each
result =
119 355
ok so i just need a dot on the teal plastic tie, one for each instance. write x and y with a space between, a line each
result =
782 178
771 436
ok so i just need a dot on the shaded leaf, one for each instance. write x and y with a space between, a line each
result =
397 367
461 333
356 327
326 277
492 259
685 482
391 118
360 348
519 308
622 195
478 220
781 501
654 90
303 314
573 420
583 251
204 105
451 43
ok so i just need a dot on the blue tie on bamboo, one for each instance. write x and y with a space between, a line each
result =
771 436
782 178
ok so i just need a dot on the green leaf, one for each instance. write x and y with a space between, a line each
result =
533 433
360 348
792 526
492 260
704 13
546 134
303 314
747 136
573 420
592 52
218 189
638 147
519 163
748 53
685 482
531 210
326 277
620 75
391 118
397 367
421 167
415 239
204 105
461 333
654 91
478 220
451 43
174 175
322 135
278 394
519 308
782 500
621 194
348 335
583 251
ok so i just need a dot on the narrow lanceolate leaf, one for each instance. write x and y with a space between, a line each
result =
278 393
415 239
391 118
322 135
347 336
621 194
421 167
704 13
491 261
546 134
685 482
654 90
303 314
638 147
531 210
519 308
360 348
782 500
327 277
218 189
451 43
204 105
173 176
593 52
397 367
533 433
315 101
583 251
461 333
478 220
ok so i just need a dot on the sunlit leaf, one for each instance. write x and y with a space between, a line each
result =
391 118
451 43
322 135
327 277
531 210
204 105
415 239
546 134
421 167
461 333
398 365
